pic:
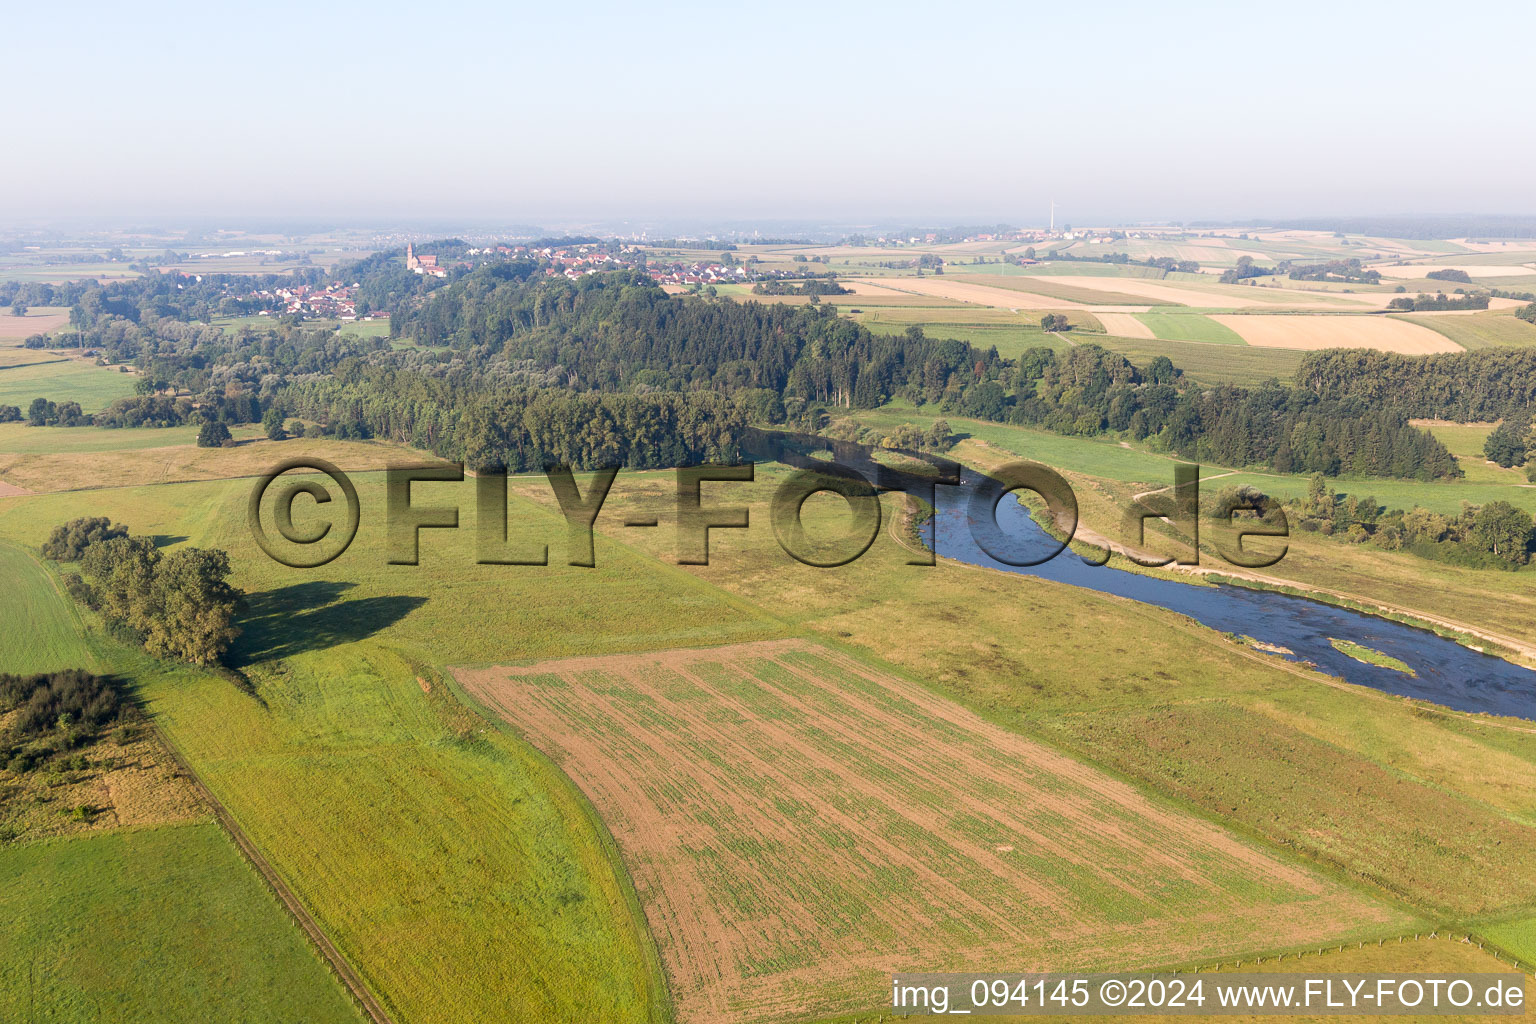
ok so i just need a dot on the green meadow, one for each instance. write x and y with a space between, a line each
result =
1189 327
1479 330
21 439
94 387
1517 938
360 328
163 924
1010 341
40 630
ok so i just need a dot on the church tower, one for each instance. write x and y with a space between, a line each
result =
411 262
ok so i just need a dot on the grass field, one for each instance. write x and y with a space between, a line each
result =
94 387
361 328
1480 330
756 783
416 840
1516 937
1212 364
39 630
1189 327
20 439
54 458
1465 441
166 924
425 841
11 358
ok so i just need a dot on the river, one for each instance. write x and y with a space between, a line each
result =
1446 672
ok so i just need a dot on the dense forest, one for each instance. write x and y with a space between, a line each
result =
1487 384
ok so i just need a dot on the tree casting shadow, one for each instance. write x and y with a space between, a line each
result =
311 617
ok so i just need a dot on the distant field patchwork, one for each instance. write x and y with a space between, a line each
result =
798 825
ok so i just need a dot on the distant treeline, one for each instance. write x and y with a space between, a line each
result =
808 287
616 333
508 365
1428 303
1454 226
1333 270
1167 264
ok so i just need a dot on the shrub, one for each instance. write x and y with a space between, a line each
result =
178 605
272 425
58 702
68 542
213 434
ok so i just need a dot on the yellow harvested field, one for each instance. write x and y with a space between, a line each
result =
1124 325
1473 270
862 287
799 825
1341 331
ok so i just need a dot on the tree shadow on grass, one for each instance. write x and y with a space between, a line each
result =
311 616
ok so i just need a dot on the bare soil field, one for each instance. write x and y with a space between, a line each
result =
32 323
798 825
1125 325
1315 332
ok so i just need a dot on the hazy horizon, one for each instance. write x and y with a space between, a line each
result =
864 113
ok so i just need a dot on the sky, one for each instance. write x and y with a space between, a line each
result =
972 112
